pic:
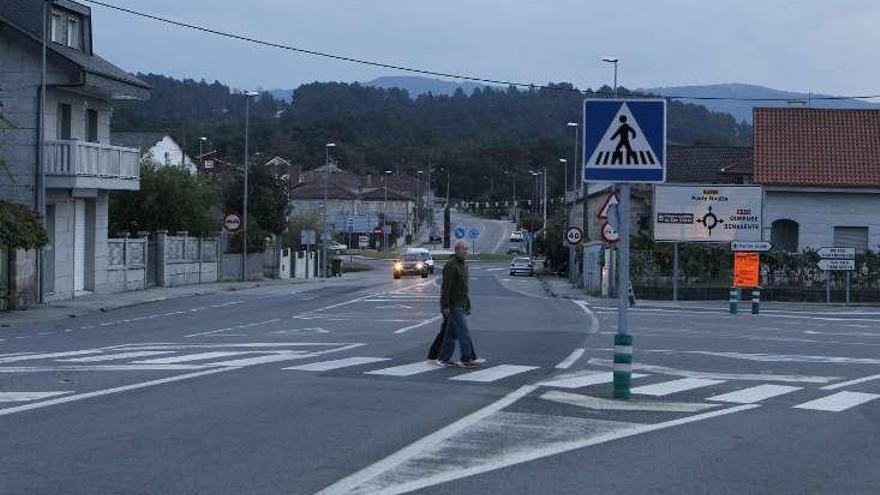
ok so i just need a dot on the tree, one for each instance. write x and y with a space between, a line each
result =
21 227
267 204
170 198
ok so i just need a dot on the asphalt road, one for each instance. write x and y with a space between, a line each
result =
494 235
326 390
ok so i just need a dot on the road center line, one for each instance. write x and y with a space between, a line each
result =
570 360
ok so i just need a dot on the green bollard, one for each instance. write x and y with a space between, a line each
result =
734 300
622 365
756 301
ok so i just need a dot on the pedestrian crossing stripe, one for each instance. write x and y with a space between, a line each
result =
625 140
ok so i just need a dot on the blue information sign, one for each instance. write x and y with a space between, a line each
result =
459 233
474 233
625 140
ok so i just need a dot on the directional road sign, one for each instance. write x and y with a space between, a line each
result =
459 233
756 246
232 222
625 140
837 265
707 213
837 253
574 235
474 233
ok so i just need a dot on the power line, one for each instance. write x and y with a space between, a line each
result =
429 72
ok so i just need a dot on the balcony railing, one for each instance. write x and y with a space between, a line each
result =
96 160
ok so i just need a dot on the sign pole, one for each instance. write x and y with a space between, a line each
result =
675 272
623 341
828 287
848 278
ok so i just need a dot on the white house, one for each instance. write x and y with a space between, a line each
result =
158 147
820 170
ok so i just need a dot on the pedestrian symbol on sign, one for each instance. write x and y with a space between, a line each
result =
629 137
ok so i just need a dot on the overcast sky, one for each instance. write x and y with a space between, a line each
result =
801 45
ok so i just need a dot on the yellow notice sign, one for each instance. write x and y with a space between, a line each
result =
746 269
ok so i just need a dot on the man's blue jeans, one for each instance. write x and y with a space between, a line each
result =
457 331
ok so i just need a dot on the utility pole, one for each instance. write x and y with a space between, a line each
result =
326 207
247 116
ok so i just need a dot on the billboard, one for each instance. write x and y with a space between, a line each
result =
712 213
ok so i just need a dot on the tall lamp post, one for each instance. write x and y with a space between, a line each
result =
385 213
324 234
247 119
575 175
418 201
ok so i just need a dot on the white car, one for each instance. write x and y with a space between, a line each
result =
336 247
522 264
516 236
425 255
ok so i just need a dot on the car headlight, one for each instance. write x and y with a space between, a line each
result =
420 266
398 266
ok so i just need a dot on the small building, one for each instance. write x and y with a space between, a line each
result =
81 165
156 147
820 169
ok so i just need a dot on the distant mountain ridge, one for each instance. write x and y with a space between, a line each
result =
414 85
742 110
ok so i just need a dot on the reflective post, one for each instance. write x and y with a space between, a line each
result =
756 301
734 300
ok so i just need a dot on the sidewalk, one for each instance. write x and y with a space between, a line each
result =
110 302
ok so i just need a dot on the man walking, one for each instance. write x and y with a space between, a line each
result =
455 304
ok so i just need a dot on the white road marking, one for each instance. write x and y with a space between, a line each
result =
407 369
674 386
600 404
281 356
202 356
394 306
754 394
594 320
102 367
114 357
841 401
50 355
337 364
351 482
29 396
108 391
495 269
851 382
237 327
570 360
764 377
584 380
458 451
421 324
494 373
784 358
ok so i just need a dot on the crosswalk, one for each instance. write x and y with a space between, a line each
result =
728 389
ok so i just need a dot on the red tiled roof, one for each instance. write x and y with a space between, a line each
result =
817 147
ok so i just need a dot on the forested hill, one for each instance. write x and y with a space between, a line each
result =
478 135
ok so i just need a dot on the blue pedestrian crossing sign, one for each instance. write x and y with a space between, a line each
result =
625 140
474 233
459 233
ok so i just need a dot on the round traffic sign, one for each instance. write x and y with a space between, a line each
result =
574 235
232 222
474 233
609 233
459 233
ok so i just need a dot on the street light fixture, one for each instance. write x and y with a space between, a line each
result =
247 118
613 60
385 213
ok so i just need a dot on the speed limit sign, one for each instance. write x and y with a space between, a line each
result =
232 222
574 235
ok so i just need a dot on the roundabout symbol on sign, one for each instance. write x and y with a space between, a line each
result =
710 221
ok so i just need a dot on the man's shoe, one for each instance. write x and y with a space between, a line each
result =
444 364
470 364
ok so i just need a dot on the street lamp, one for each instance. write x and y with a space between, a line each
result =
613 60
564 163
418 201
385 213
513 176
202 140
247 118
324 234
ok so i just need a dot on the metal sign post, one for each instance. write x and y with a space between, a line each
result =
624 142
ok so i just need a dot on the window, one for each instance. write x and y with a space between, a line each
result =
57 29
63 123
853 237
73 33
92 126
784 235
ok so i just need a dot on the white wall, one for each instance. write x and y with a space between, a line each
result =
168 153
817 214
